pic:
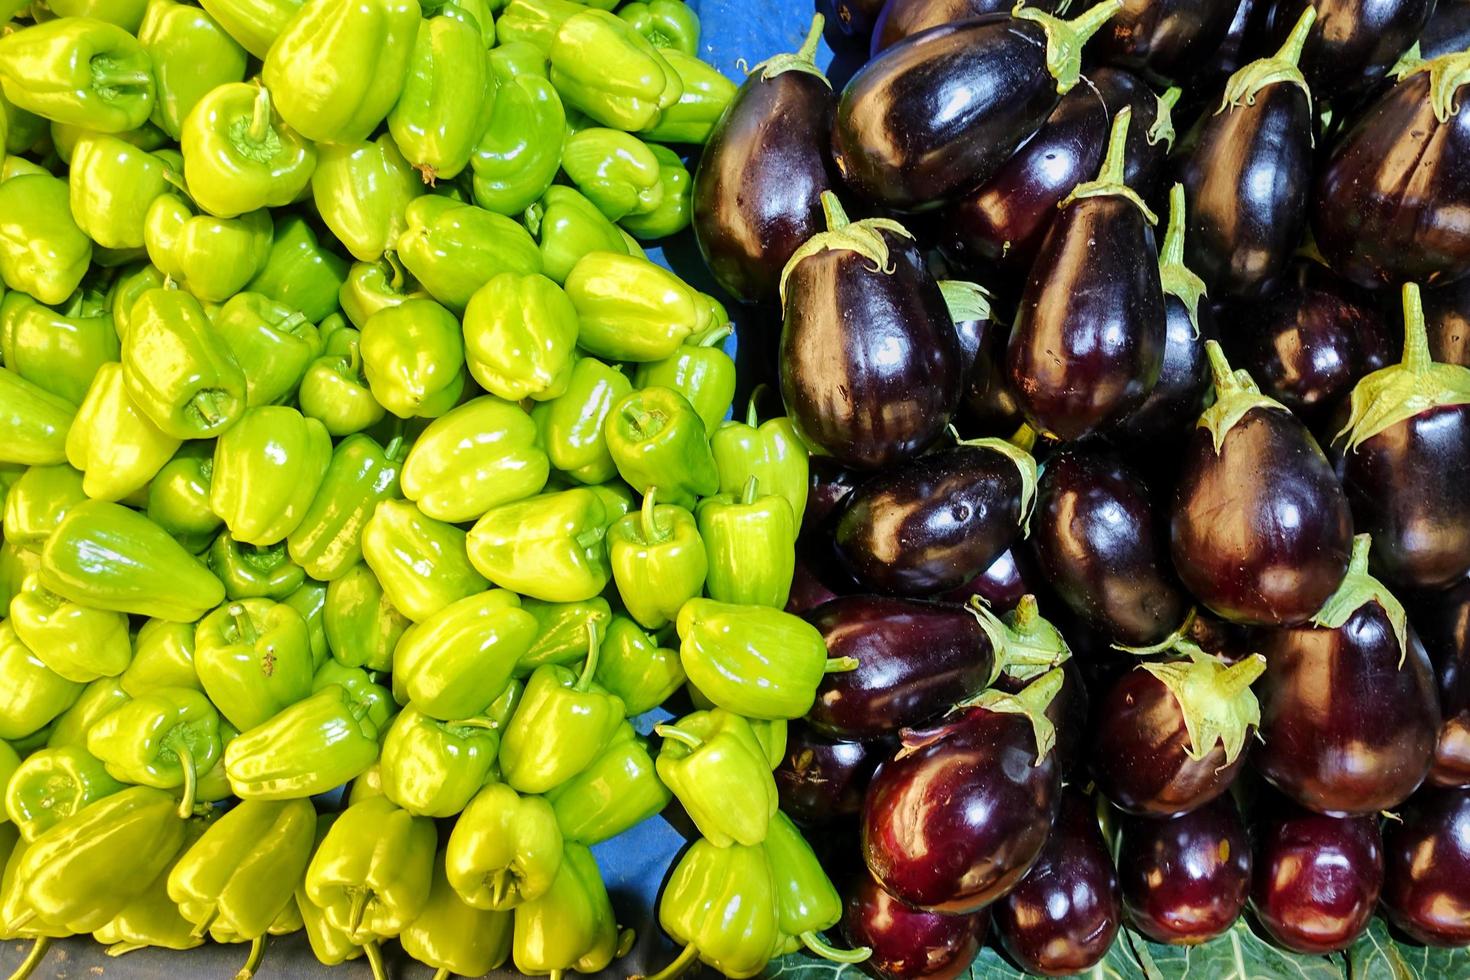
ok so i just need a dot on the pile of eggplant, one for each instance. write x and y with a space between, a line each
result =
1132 345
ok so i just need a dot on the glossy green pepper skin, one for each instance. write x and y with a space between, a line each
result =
152 918
313 746
52 784
706 94
42 250
452 936
372 873
616 171
770 452
267 469
33 695
239 155
520 334
370 286
421 562
79 643
78 71
674 210
461 658
97 700
375 699
413 357
629 308
752 546
255 24
117 447
657 439
147 137
478 456
571 926
535 22
15 564
131 283
273 343
634 667
519 153
700 371
38 500
127 14
300 273
618 791
178 370
363 627
562 631
111 184
572 425
568 226
178 496
715 765
328 541
666 24
335 391
163 656
191 55
605 68
432 768
505 849
362 190
58 349
338 66
806 902
209 256
720 902
658 561
447 96
165 739
34 423
254 659
252 572
548 547
453 248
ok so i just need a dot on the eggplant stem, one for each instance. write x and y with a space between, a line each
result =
33 959
1176 278
1065 38
1217 702
814 942
1032 701
1417 357
1162 131
1359 588
1279 69
1241 675
1110 180
833 211
803 60
1291 49
863 238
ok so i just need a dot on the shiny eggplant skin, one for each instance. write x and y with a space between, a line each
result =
1260 532
1102 548
1138 747
1317 878
1186 879
1088 345
1241 43
1353 44
988 406
822 780
1426 889
1067 713
909 943
961 813
1447 313
1063 916
828 484
932 525
1390 201
870 362
1167 38
1447 31
915 659
901 19
1344 729
1182 391
940 112
1001 585
1443 622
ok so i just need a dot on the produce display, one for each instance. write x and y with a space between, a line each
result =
1035 541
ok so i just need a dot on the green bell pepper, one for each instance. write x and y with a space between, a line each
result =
253 658
165 739
618 791
147 137
562 631
413 357
519 153
191 55
447 97
42 251
770 452
478 456
127 14
33 422
706 94
313 746
752 546
370 286
666 24
310 600
699 370
363 627
178 496
571 926
372 872
658 561
549 547
98 700
461 658
59 349
240 156
52 784
454 248
520 334
602 66
376 700
505 849
535 22
432 768
209 256
720 902
299 272
152 919
674 210
254 24
616 171
657 439
79 71
335 391
33 694
111 185
362 189
107 556
273 342
635 668
125 290
16 563
806 902
266 472
252 571
421 562
568 226
629 308
715 765
339 65
572 425
117 447
452 936
38 501
163 656
79 643
328 541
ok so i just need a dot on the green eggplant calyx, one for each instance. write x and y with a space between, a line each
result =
814 942
687 957
1358 588
1279 69
1415 385
804 60
1025 465
966 300
1065 38
1446 74
1177 279
1167 643
1236 393
1215 699
1023 648
1110 181
1033 701
1162 131
862 237
1408 63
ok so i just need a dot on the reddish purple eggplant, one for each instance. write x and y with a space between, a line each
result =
1349 712
961 813
870 362
1244 227
910 943
900 19
1406 462
1316 879
936 523
1168 38
1354 43
1170 736
939 113
822 780
1426 889
1443 622
1089 338
1068 710
762 173
1063 916
1185 879
1447 313
1002 585
1391 199
1260 530
808 588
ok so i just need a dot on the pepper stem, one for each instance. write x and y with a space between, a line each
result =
191 780
375 959
252 961
244 625
682 962
357 912
33 959
396 274
477 723
840 665
206 403
714 336
750 491
648 517
1111 179
814 942
594 648
677 734
260 117
442 973
752 407
1065 38
202 926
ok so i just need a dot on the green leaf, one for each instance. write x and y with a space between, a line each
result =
804 966
1119 964
1237 955
1375 956
1421 962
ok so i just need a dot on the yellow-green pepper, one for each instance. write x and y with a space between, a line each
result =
413 357
478 456
549 547
267 469
42 251
239 155
461 658
421 562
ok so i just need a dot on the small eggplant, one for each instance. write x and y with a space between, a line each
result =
955 819
940 112
1260 530
1317 878
1443 622
1391 199
1426 889
870 362
761 175
1002 585
1089 338
1170 736
1353 44
1167 38
1185 880
934 524
1447 314
1349 713
1406 462
1068 710
902 19
821 780
1063 916
910 943
1248 175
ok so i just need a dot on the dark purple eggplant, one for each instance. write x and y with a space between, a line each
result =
1447 314
1002 585
1185 879
1391 199
974 320
870 362
961 813
1249 173
1167 38
1448 30
1317 878
988 406
1088 344
1241 41
1260 530
1063 916
1349 713
1068 710
902 19
828 485
910 943
1426 889
1443 622
808 589
822 780
1354 43
936 523
1406 462
939 113
1170 736
854 18
762 173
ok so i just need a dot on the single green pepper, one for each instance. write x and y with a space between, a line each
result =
461 658
209 256
454 248
432 768
376 700
191 55
720 902
255 24
111 184
453 937
571 926
549 547
59 349
572 425
240 156
163 656
635 668
33 694
79 71
413 356
328 541
275 343
52 784
254 659
125 290
616 171
313 746
98 700
266 471
38 501
178 496
34 423
568 226
372 872
361 190
715 765
666 24
252 571
335 391
769 451
657 439
699 370
630 309
310 600
107 556
165 739
447 97
300 273
752 546
535 22
421 562
147 137
118 448
152 919
363 627
478 456
806 902
79 643
675 199
42 251
605 68
657 559
706 94
505 849
618 791
562 631
520 333
519 153
15 564
370 286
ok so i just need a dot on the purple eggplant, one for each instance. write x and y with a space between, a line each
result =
1260 530
989 406
1447 314
1349 712
1167 38
1242 39
1406 462
854 18
762 173
1068 710
1390 201
974 320
1088 344
1063 916
1426 889
900 19
828 485
808 588
1243 228
870 362
910 943
1317 878
939 113
1354 43
936 523
1185 879
1443 622
961 813
1447 31
822 780
1002 585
